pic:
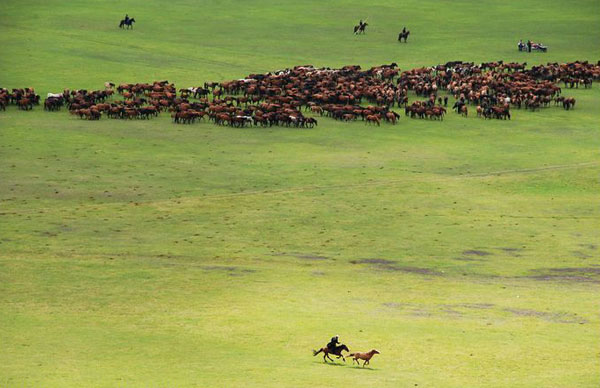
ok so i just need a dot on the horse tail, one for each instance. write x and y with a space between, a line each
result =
315 352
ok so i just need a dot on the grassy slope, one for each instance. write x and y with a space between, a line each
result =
141 253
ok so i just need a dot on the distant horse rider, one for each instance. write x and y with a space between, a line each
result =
126 19
334 340
404 30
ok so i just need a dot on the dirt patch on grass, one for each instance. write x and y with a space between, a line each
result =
310 257
458 310
558 317
232 270
477 306
417 270
373 261
511 250
390 265
586 270
304 256
581 255
466 259
395 305
515 252
476 252
577 275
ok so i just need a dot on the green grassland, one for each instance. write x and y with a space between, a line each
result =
141 253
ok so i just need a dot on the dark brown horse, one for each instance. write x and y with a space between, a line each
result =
360 28
403 35
337 351
127 23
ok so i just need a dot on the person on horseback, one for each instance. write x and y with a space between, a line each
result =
334 340
126 18
404 30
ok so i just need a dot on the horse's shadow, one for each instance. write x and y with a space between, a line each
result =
363 368
345 365
329 363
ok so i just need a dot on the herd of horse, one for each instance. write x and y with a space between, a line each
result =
295 97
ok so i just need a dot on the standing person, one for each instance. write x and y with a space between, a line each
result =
528 45
521 45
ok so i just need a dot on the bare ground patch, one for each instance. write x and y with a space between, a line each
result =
231 270
466 259
559 317
373 261
476 252
516 252
304 256
576 275
392 266
458 310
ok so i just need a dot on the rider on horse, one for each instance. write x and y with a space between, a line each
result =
126 18
334 340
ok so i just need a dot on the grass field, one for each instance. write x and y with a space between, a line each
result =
147 254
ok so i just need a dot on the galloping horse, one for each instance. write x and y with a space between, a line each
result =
336 352
127 22
363 356
403 35
360 29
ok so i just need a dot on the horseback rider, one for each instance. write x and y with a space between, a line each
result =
334 340
404 30
126 18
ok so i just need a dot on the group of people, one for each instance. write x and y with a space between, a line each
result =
530 46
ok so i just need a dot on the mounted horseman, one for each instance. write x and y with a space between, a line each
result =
332 348
360 28
127 22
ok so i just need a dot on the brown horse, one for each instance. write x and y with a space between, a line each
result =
336 352
568 103
372 119
25 104
363 356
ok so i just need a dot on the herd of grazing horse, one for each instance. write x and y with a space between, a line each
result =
283 98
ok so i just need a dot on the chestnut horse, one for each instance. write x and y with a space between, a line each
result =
336 352
363 356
